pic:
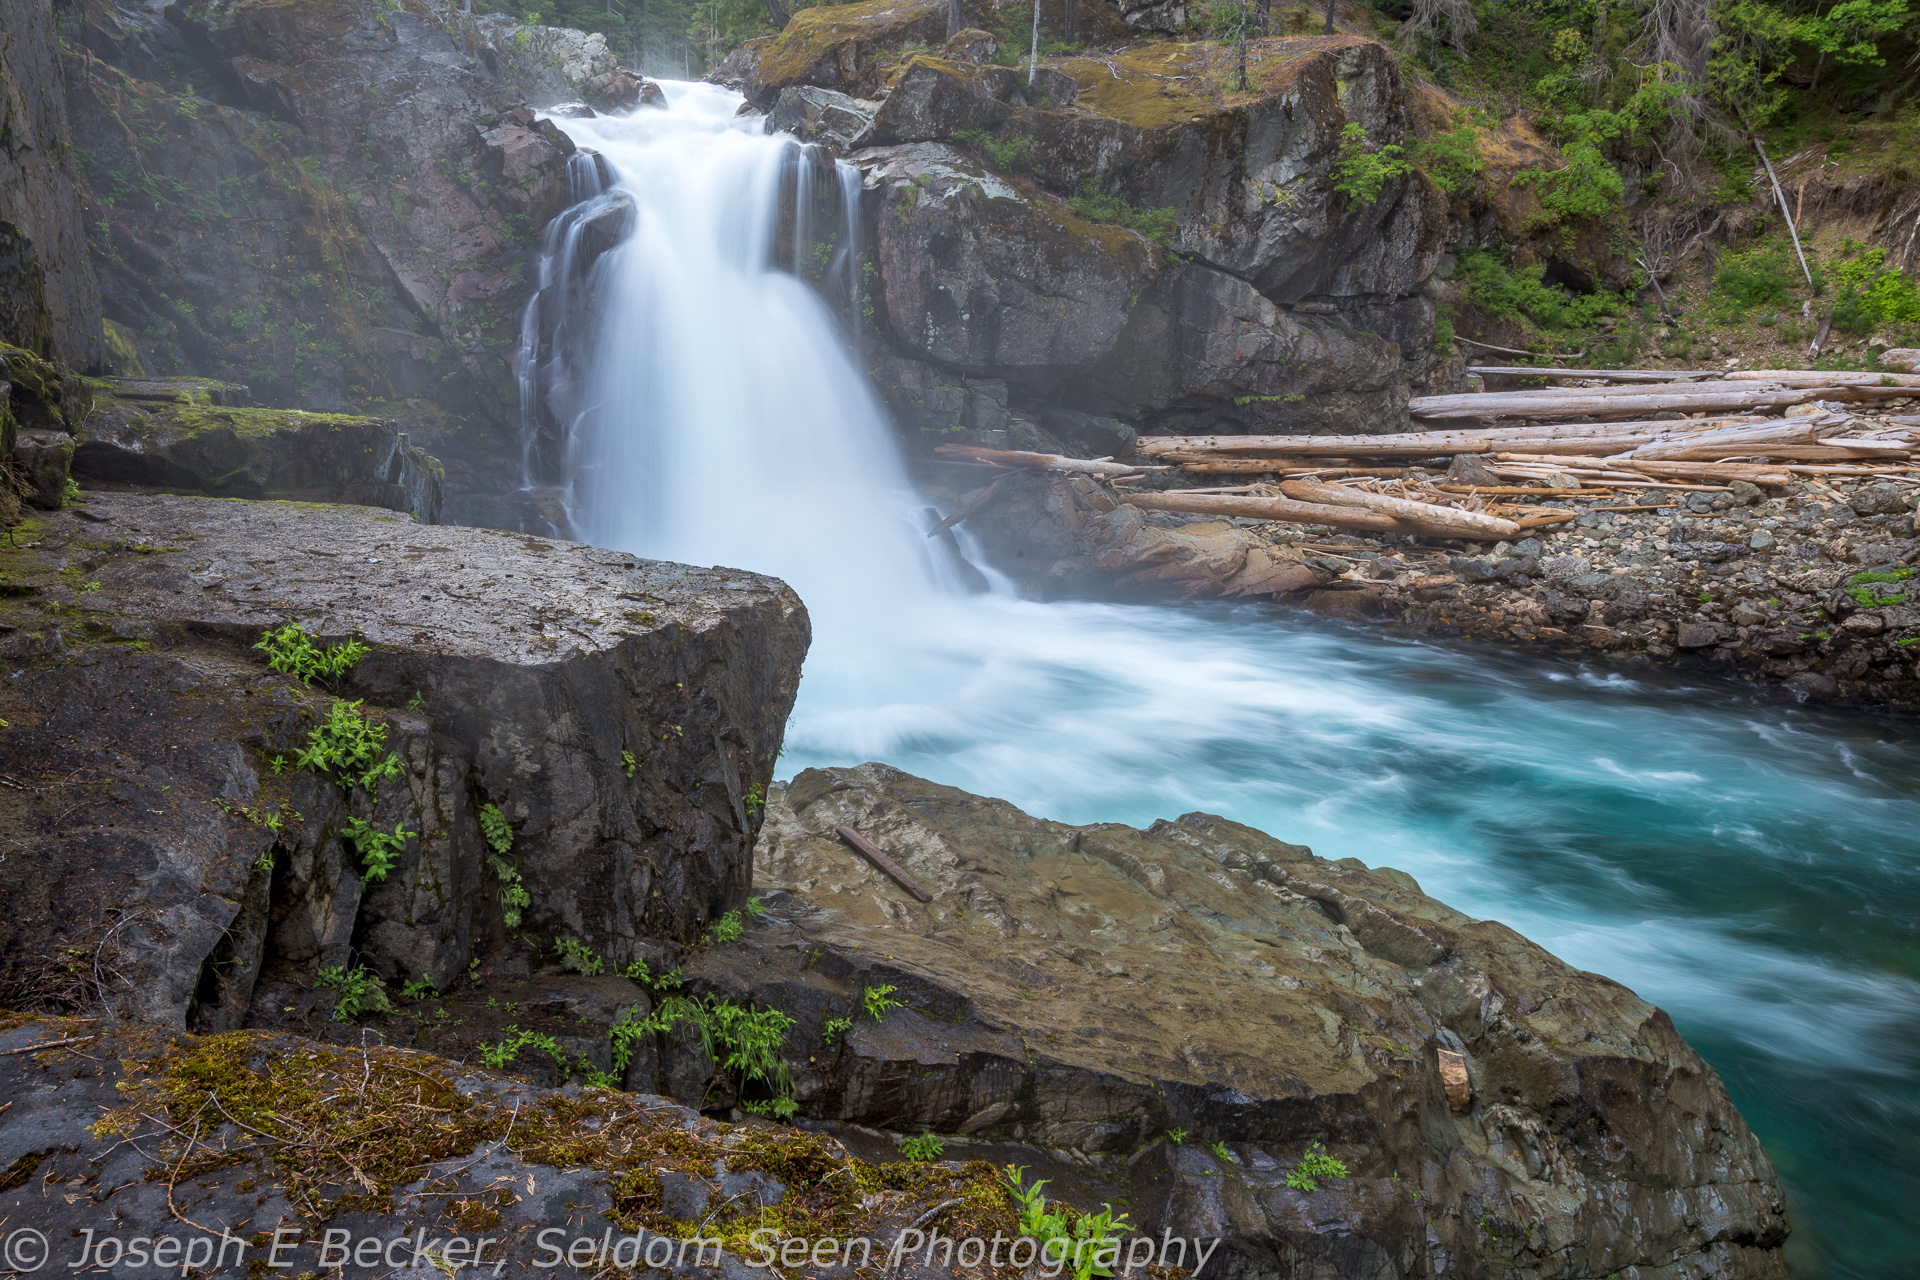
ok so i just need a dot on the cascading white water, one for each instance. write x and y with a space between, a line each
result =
1692 843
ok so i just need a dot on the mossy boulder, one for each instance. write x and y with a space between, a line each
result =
843 46
198 435
1190 1008
425 1155
614 719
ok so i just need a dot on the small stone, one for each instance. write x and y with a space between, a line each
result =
1454 1078
1746 493
1698 635
1868 622
1761 540
1811 686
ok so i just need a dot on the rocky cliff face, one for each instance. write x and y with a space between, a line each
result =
1186 1011
334 203
1128 235
547 739
49 302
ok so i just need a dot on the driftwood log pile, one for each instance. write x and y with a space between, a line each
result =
1531 443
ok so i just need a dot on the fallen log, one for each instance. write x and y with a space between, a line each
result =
1824 378
862 846
1752 473
1458 523
1444 442
973 504
1611 375
1048 461
1600 401
1284 509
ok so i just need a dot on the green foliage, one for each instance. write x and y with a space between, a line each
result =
514 898
777 1108
628 763
361 992
1871 292
1519 295
727 928
924 1149
1157 225
504 1052
578 956
877 1000
291 650
494 826
1313 1166
70 494
1763 275
1220 1152
1869 598
1176 1136
1879 575
349 748
421 990
1362 171
1452 159
1005 154
740 1039
629 1027
1085 1235
837 1027
379 850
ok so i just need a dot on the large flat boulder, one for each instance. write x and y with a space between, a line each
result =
202 436
580 739
1188 1010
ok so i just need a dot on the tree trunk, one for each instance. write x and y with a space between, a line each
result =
1069 21
955 19
778 16
1329 27
1261 9
1462 524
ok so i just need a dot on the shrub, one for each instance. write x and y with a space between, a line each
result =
291 650
1313 1166
924 1149
1872 293
1157 225
578 956
361 992
1084 1235
1008 154
1519 294
1763 275
1362 172
1451 159
740 1039
379 851
1587 186
507 1050
348 747
880 999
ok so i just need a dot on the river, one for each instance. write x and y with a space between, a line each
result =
1752 867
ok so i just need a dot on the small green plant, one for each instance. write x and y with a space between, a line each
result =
1006 154
1088 1235
740 1039
70 494
578 956
507 1050
727 928
1157 225
292 651
514 898
628 763
361 992
1221 1153
421 990
877 1000
837 1027
350 748
1362 171
1453 159
637 971
1176 1136
924 1149
1880 575
777 1108
1869 598
1313 1166
379 850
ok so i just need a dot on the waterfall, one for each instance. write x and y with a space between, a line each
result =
690 396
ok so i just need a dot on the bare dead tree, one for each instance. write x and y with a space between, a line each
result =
1679 35
955 19
778 16
1069 21
1431 16
1328 30
1261 8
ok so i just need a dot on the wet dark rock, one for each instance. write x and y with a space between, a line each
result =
619 713
1043 1005
813 114
192 434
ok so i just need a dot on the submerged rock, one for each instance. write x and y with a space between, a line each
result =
1188 1011
196 434
579 741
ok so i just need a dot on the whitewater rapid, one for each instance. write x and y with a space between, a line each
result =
1752 868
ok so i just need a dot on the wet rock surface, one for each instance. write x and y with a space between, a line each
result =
1181 1012
185 1140
201 436
613 715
